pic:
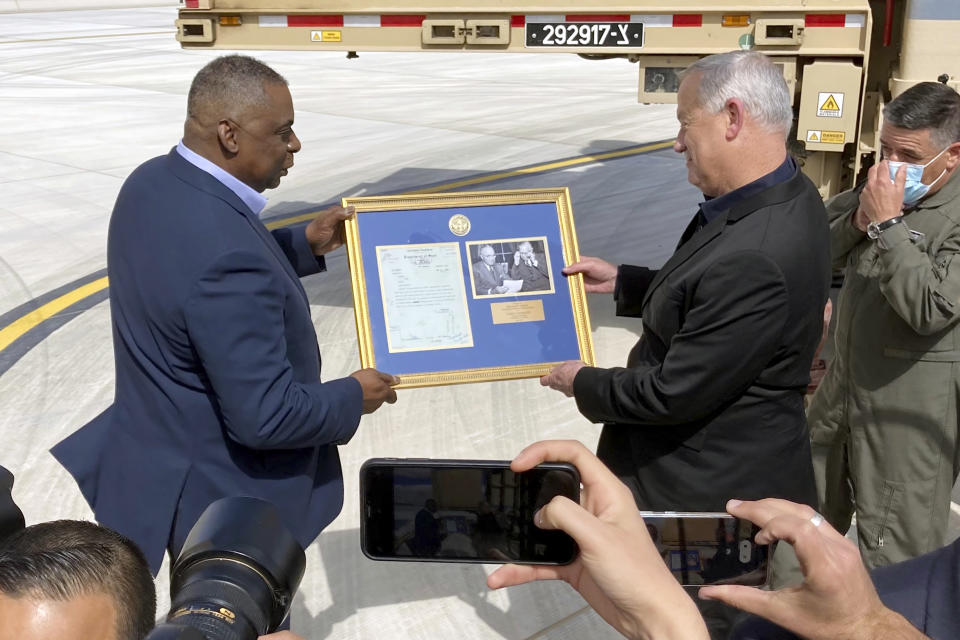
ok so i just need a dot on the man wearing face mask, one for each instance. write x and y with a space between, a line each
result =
884 421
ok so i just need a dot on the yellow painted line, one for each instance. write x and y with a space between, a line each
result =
550 166
21 325
493 177
25 323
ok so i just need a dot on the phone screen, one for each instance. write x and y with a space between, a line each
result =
462 511
709 548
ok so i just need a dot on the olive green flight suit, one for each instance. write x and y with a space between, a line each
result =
884 421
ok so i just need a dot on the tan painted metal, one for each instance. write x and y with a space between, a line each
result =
829 104
930 49
849 62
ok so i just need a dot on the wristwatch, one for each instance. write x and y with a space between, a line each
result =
875 229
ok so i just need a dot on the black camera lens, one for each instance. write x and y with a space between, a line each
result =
237 573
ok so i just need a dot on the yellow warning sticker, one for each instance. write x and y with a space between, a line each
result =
832 137
830 105
826 137
325 36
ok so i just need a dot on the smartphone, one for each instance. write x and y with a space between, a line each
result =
709 548
462 511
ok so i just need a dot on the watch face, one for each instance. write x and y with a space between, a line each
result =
872 231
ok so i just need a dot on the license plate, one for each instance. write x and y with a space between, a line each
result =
585 34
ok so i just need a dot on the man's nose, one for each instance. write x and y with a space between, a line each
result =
294 145
678 145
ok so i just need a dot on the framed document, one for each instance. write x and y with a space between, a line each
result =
466 287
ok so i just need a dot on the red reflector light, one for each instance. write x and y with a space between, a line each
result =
193 4
598 18
688 20
825 19
518 21
314 21
401 21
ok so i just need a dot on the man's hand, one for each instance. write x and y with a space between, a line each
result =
377 388
281 635
836 601
881 199
599 276
325 232
561 377
500 289
619 571
516 258
860 220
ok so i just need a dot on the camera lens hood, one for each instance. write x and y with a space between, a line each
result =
248 530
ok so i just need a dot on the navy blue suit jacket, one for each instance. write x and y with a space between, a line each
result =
924 590
218 388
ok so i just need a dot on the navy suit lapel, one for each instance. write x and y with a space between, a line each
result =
207 183
690 243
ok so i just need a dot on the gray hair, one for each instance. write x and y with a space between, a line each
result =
230 85
749 76
928 105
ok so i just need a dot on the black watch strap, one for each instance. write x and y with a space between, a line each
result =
874 229
886 224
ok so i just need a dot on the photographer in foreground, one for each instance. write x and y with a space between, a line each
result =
69 580
621 575
75 580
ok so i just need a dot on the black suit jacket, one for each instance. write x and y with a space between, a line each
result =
710 404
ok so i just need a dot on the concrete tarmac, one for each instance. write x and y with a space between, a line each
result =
88 95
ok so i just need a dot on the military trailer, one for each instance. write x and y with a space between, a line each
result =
842 59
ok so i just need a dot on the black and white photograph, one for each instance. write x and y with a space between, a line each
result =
509 267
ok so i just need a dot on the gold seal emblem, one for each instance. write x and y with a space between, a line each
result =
459 225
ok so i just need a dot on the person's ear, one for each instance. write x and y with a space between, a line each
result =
733 116
227 134
953 156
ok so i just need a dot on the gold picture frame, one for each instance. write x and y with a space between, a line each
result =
448 280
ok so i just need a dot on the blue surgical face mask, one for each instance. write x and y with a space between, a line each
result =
914 189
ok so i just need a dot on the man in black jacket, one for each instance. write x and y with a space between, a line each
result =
710 404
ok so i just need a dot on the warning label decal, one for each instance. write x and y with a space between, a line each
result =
325 36
832 137
826 137
830 105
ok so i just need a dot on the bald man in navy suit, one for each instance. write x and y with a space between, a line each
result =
218 389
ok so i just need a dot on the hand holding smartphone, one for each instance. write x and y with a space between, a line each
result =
462 511
708 548
482 511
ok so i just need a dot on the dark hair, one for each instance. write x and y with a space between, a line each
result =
928 105
230 84
65 559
